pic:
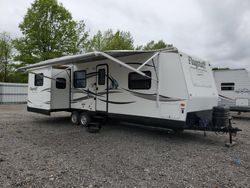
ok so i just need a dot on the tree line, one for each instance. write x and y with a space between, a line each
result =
49 31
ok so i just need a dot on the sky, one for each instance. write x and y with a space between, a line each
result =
215 30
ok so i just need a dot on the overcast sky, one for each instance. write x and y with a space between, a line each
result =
217 30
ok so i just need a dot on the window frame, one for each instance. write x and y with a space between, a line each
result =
38 77
60 82
148 73
227 86
75 79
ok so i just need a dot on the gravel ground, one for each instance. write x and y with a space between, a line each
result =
41 151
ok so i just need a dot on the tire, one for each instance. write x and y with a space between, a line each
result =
84 119
75 118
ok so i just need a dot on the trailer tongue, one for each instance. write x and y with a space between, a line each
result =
221 123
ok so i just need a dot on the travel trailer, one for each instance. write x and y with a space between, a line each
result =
164 88
233 86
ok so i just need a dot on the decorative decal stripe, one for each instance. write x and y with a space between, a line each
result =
82 98
110 92
226 98
96 94
47 89
147 96
153 97
116 102
76 90
91 74
100 94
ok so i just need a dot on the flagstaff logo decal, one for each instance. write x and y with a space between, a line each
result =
243 90
198 64
33 88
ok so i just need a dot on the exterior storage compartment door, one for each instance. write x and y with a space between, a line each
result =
241 102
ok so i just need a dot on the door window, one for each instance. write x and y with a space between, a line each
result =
60 83
101 76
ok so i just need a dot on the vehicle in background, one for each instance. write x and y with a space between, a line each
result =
233 86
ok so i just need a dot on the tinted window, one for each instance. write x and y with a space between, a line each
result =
101 76
137 81
227 86
80 79
38 79
60 83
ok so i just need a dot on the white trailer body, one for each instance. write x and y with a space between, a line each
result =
164 88
234 88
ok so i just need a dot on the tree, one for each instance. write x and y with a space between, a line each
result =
120 40
97 43
6 51
154 46
17 76
48 32
82 36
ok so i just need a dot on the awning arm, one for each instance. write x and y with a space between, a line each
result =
152 57
122 63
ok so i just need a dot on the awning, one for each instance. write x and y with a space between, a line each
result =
95 56
83 58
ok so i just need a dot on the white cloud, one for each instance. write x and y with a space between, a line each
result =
215 30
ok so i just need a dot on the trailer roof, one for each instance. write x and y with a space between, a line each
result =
90 56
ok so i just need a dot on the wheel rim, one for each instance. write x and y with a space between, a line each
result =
74 118
84 120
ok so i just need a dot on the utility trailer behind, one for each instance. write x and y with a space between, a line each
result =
233 86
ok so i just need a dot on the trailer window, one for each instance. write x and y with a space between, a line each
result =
137 81
227 86
101 76
80 79
38 79
60 83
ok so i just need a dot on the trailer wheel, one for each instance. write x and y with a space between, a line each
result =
84 119
75 118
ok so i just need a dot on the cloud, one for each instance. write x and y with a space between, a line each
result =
227 26
212 29
11 15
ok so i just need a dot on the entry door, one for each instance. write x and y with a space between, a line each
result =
102 88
